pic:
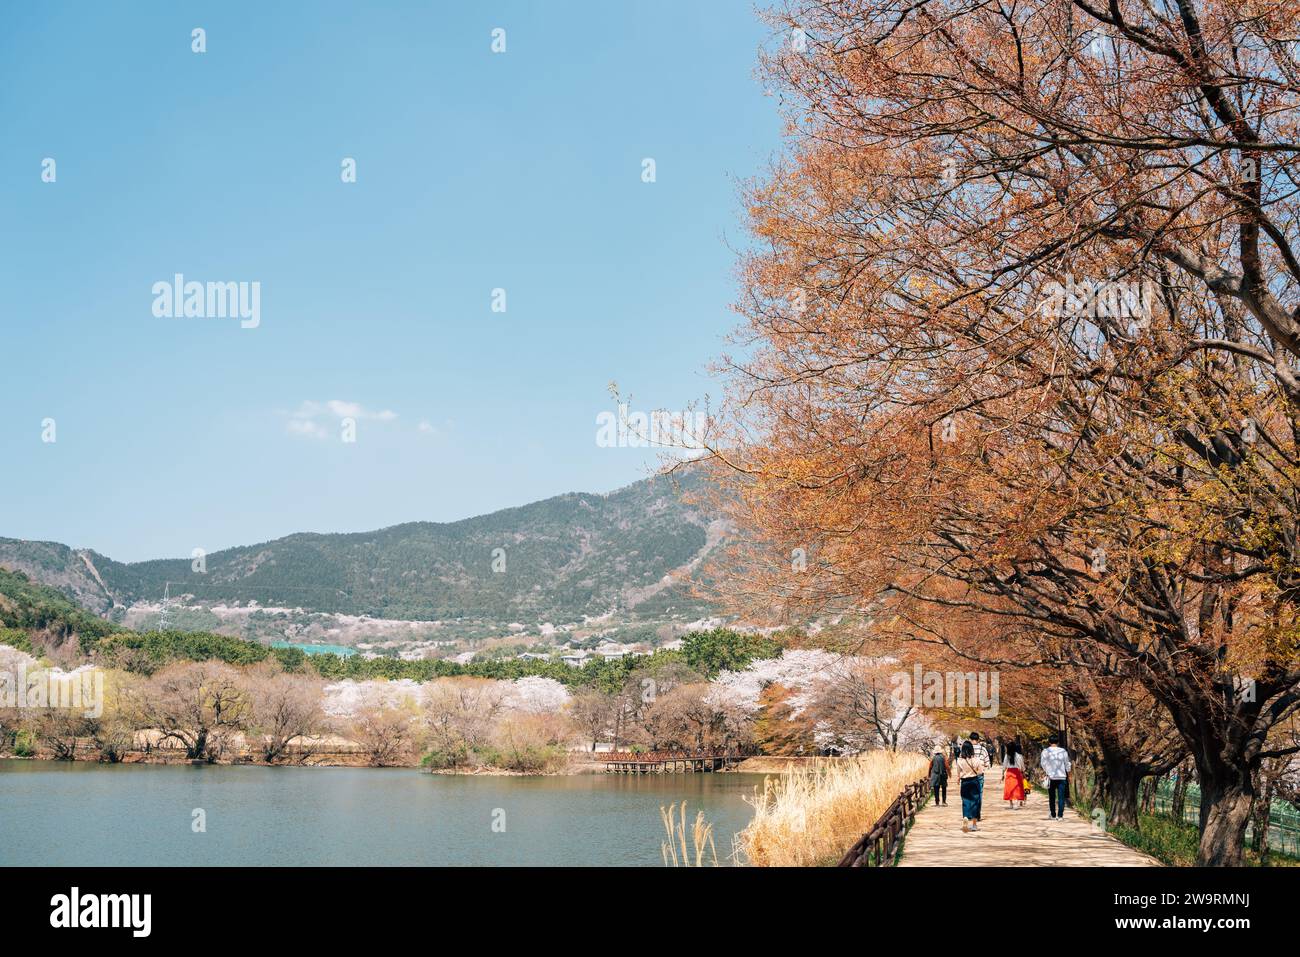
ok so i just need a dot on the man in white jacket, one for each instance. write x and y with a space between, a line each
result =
1055 762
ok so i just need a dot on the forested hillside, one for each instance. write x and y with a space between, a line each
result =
558 559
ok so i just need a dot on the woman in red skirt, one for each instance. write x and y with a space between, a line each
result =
1013 776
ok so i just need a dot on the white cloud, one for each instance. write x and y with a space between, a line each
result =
311 418
310 429
344 410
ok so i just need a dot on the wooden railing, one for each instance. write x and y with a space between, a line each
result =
653 756
880 844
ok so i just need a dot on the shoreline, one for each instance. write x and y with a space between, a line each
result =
759 764
331 760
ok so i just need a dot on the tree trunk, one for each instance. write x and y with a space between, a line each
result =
1178 804
1226 798
1149 785
1223 733
1122 780
1080 791
1088 785
1123 796
1259 815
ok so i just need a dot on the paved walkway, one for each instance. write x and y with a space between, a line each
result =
1024 836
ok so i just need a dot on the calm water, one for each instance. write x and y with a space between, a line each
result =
84 814
341 650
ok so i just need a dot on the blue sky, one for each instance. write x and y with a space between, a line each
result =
475 171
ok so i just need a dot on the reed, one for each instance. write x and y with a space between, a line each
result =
701 838
811 816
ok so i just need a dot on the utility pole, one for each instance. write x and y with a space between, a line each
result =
164 616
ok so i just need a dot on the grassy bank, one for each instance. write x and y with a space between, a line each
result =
1174 842
811 816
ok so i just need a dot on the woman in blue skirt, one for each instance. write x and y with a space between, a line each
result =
968 771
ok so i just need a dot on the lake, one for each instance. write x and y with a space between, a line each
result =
86 814
343 651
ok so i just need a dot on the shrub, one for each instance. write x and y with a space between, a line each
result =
528 743
532 758
16 638
441 759
25 743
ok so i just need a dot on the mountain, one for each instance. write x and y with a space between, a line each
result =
559 560
26 605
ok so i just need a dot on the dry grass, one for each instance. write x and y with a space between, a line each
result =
813 815
701 838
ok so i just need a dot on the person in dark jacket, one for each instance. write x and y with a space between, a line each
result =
939 776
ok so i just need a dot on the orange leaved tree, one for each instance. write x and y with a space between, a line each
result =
1021 345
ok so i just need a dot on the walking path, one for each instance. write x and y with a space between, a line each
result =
1024 836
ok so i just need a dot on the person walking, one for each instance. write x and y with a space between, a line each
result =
1055 762
982 759
1013 775
968 772
939 776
